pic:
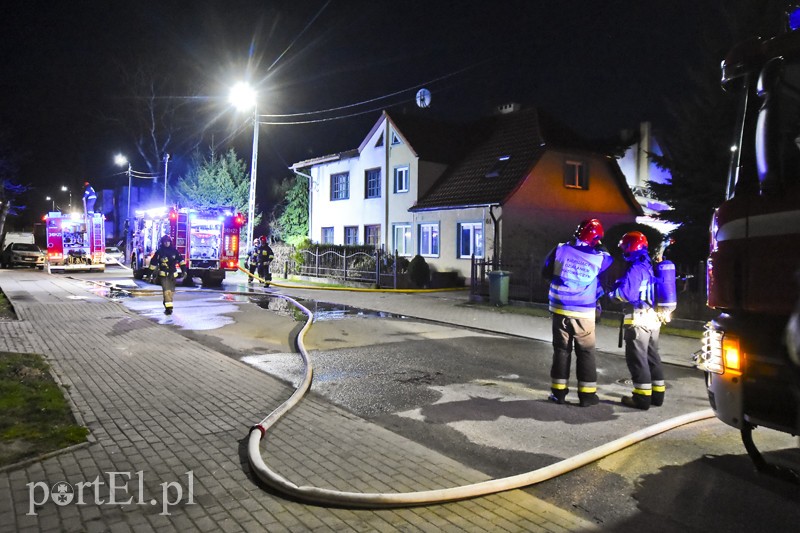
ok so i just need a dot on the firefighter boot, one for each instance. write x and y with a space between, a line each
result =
637 401
558 396
587 399
657 399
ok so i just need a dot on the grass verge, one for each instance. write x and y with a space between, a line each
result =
35 418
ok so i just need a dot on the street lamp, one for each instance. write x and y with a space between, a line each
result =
51 199
66 189
121 161
243 97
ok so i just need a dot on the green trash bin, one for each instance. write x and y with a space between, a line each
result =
498 287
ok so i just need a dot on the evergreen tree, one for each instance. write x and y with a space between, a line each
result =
216 181
697 146
292 224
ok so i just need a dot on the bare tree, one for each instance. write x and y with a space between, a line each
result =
157 114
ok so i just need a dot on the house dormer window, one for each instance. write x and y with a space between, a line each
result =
576 174
498 166
396 139
379 142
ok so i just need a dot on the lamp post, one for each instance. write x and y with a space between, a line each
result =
121 160
51 199
243 97
66 189
166 165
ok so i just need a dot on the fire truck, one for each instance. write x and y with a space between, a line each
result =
754 256
208 239
75 241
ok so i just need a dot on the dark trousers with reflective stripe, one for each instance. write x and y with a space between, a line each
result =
168 289
577 333
643 359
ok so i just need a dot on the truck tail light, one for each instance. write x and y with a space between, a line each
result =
731 356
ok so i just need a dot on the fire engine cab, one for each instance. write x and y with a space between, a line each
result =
754 254
208 239
75 241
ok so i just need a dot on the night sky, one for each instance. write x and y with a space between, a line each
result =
598 66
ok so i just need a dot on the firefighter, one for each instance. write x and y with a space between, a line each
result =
263 260
252 257
574 269
89 198
641 323
167 260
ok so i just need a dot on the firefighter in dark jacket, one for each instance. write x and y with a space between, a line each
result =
574 269
641 323
252 259
165 265
89 198
263 260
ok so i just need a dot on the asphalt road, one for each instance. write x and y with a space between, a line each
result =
481 399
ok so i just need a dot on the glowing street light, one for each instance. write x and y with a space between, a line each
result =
51 199
121 160
244 97
66 189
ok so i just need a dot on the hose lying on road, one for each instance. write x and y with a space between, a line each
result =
379 500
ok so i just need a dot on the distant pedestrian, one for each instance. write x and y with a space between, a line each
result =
263 261
574 269
641 323
165 264
89 198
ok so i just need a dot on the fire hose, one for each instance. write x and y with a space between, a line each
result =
318 495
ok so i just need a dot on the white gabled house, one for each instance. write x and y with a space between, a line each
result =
363 196
511 186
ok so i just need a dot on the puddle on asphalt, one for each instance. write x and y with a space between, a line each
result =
322 310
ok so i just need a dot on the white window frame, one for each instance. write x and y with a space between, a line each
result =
474 247
402 179
576 174
329 231
429 239
403 240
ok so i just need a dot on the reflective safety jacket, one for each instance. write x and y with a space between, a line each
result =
167 260
265 255
575 268
637 288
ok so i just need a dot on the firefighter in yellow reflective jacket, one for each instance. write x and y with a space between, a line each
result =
164 265
641 323
263 260
573 269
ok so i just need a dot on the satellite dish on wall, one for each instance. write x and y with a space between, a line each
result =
423 98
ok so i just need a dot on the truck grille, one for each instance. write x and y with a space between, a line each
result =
710 354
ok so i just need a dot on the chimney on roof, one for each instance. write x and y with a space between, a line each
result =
505 109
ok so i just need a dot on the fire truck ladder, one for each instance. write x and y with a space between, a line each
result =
182 234
97 237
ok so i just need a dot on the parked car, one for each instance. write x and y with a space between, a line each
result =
22 254
113 255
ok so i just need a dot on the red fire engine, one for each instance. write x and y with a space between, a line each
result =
755 252
207 238
75 242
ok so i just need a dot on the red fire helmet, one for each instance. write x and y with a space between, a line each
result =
590 231
633 241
